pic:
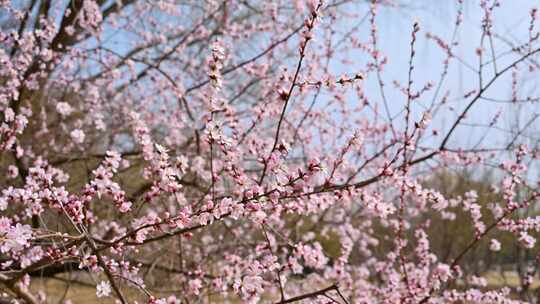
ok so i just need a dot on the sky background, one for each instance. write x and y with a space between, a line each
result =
511 21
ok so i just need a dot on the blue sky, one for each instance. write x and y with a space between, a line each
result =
511 20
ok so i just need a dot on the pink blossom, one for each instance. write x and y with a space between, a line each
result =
13 171
194 286
527 240
64 109
267 151
77 136
14 237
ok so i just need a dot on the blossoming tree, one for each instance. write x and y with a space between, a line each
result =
180 151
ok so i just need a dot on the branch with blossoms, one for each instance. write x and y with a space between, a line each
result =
252 151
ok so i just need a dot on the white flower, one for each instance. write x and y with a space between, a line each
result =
77 135
9 115
478 281
103 289
3 203
495 245
527 240
63 108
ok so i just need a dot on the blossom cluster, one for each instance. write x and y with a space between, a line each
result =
253 151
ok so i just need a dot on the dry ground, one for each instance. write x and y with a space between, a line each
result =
59 290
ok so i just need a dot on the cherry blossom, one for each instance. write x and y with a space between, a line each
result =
495 245
103 289
267 151
77 135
